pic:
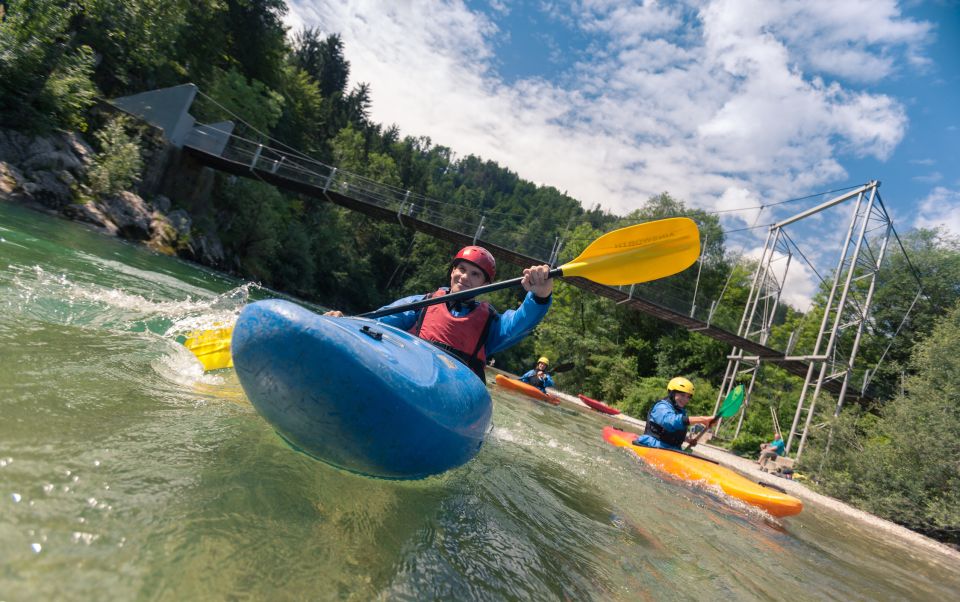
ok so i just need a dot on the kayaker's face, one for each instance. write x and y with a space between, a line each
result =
681 398
465 276
541 367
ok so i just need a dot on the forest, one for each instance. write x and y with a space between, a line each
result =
896 456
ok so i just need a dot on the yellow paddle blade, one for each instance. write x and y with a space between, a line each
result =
212 347
638 253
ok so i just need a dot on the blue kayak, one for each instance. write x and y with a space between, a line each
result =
358 394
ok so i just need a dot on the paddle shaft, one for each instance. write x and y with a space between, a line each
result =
637 253
450 297
706 428
562 368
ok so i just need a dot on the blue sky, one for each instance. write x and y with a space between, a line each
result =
726 104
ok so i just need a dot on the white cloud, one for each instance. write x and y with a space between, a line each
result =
940 209
800 283
726 104
741 204
929 178
718 102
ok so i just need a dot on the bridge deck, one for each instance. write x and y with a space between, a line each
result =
796 367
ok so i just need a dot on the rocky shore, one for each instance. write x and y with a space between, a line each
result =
49 173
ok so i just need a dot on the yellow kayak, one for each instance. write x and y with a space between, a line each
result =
692 468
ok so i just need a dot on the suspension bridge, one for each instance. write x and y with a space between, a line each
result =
829 367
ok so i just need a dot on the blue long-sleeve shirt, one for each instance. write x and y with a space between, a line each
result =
530 377
507 329
670 418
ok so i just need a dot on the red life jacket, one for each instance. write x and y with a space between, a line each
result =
463 337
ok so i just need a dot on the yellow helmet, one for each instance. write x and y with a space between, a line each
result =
543 360
680 384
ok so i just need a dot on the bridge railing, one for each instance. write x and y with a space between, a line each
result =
466 220
675 292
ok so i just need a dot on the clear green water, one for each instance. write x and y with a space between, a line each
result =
128 474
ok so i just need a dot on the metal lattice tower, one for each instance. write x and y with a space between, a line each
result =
848 306
759 313
845 313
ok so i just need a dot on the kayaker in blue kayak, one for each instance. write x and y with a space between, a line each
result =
473 330
667 421
539 377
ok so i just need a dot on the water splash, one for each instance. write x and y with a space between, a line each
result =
53 298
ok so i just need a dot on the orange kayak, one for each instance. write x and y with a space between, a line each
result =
522 387
692 468
598 405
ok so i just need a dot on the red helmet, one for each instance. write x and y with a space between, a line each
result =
479 257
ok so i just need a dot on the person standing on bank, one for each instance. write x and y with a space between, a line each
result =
538 377
667 421
473 330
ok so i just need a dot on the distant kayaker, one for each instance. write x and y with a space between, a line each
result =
473 330
539 377
667 421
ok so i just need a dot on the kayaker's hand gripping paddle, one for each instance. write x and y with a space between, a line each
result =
638 253
730 406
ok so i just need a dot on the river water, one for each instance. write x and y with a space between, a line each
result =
126 473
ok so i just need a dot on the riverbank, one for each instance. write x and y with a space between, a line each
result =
751 470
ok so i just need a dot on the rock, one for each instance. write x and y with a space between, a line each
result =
171 233
55 160
130 213
181 222
57 152
161 204
67 178
37 145
48 189
11 180
11 146
207 249
78 147
163 236
89 212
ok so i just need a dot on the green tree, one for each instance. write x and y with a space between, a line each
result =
322 59
118 165
134 41
257 43
707 277
45 76
901 464
302 121
233 94
933 256
253 218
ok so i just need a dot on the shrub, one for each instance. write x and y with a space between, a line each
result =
747 444
118 164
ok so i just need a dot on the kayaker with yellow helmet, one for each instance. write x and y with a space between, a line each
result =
667 421
539 377
473 330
